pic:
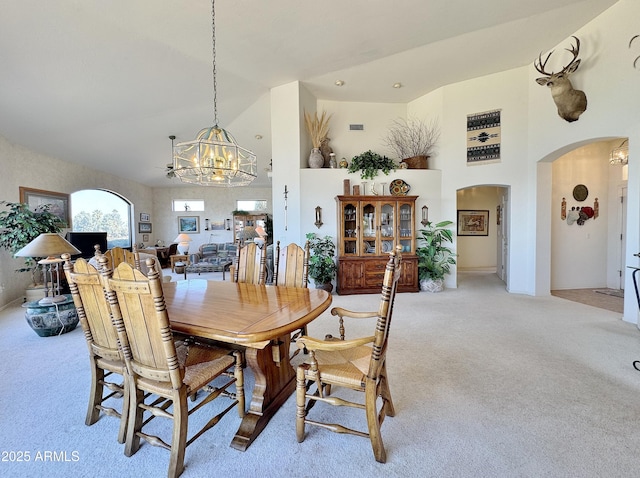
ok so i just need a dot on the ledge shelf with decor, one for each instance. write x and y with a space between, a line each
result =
369 227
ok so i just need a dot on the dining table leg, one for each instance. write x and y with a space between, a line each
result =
274 384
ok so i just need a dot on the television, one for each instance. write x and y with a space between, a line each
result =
85 242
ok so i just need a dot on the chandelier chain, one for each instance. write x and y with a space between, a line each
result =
213 51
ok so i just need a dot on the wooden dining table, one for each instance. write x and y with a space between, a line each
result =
257 318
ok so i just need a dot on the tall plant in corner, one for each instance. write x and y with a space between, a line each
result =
19 225
322 264
435 258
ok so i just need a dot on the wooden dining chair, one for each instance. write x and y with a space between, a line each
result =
251 264
291 265
155 365
105 357
357 364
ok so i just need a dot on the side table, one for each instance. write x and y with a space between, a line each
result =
178 258
51 319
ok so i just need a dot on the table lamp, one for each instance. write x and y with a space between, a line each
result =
50 246
183 241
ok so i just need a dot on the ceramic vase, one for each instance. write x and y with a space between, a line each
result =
316 160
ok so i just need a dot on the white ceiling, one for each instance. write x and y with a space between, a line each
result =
104 83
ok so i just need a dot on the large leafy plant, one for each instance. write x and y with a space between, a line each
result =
434 256
369 163
19 225
322 265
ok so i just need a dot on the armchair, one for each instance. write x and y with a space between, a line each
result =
357 364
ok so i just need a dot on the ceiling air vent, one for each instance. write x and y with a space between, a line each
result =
356 127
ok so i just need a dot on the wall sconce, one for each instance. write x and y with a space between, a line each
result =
425 216
318 222
228 224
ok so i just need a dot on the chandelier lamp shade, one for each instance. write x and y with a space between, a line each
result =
214 158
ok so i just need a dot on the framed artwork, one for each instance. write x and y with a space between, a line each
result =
189 224
217 225
145 237
144 217
37 198
144 227
473 223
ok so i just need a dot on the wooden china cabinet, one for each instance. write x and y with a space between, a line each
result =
369 227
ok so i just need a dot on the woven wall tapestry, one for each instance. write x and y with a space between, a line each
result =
483 138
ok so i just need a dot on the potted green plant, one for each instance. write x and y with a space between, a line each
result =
413 141
322 264
369 163
19 225
434 257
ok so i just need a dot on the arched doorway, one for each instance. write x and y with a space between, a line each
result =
587 221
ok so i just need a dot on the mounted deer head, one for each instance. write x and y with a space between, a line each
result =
571 103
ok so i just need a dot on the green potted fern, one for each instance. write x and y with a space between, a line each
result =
322 264
369 163
435 258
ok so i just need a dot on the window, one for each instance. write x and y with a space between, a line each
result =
251 205
182 205
96 210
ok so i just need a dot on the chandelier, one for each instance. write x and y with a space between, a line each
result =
620 155
214 158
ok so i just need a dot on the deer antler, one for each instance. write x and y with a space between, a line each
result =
575 50
541 65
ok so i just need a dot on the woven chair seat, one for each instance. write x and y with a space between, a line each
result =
345 367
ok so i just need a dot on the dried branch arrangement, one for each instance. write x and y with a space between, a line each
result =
412 137
317 127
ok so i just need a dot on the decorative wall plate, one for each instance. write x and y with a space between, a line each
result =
399 188
580 192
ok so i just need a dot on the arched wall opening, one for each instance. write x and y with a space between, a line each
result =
581 220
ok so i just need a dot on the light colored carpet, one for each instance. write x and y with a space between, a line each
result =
485 384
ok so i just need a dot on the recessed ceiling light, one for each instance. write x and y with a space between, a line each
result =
258 136
397 85
339 83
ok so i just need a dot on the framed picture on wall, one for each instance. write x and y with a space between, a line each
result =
59 202
144 227
189 224
145 237
473 223
144 217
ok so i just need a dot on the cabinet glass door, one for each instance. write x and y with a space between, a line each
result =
369 223
387 229
350 229
405 227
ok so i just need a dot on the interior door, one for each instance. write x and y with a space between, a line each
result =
623 234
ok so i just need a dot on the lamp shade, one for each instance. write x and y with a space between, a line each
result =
183 241
47 245
182 238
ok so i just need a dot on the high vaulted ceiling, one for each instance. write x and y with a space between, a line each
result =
104 83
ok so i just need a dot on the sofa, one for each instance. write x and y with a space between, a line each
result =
212 257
